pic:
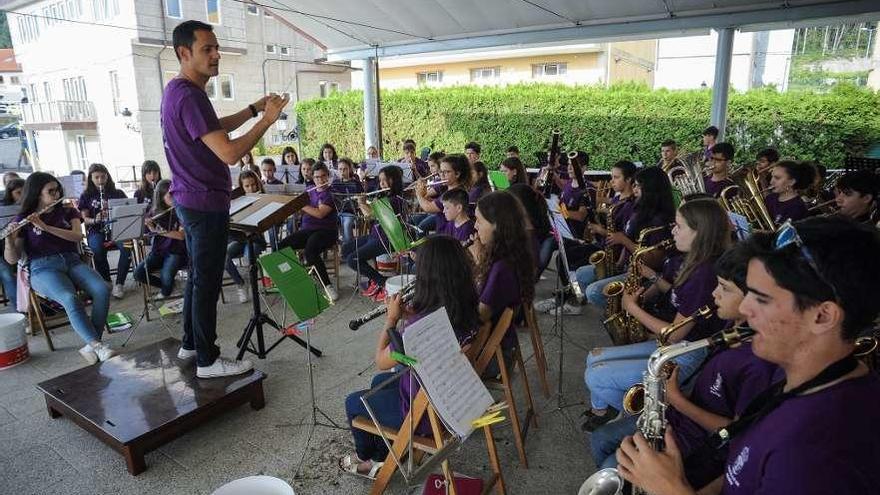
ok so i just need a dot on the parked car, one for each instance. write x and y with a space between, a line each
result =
9 130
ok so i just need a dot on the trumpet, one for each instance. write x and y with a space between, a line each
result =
406 295
9 229
824 206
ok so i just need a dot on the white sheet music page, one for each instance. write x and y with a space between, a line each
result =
241 203
254 218
457 393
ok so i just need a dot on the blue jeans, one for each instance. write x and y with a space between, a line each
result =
592 288
167 264
367 248
236 249
8 278
606 439
386 405
207 233
96 244
58 276
348 221
611 371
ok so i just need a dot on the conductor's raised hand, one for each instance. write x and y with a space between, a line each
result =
274 105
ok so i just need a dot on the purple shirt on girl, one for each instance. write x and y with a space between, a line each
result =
574 198
819 443
316 199
143 196
201 179
794 209
475 193
501 291
38 243
163 245
461 233
693 294
91 203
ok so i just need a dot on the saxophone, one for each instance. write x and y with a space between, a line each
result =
603 261
652 420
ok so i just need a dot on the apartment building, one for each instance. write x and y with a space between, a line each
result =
94 72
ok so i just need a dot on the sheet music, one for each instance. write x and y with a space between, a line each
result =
241 203
256 217
7 213
128 221
121 202
274 188
559 222
455 389
73 185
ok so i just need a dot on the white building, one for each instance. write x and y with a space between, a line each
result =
94 71
10 82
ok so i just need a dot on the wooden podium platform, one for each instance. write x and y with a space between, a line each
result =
142 399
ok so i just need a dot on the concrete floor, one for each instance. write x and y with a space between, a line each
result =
39 455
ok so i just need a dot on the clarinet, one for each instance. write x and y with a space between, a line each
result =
105 226
406 295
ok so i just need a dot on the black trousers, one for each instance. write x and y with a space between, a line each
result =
313 243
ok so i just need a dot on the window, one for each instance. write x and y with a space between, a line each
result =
2 81
252 10
227 89
32 91
47 90
485 73
211 88
213 8
114 90
327 88
270 49
108 9
285 50
81 154
429 77
172 9
549 69
14 80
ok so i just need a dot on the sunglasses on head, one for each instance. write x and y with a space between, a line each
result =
787 235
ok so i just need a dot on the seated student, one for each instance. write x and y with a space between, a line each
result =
479 182
344 186
318 232
702 233
238 247
359 251
856 195
503 256
472 152
9 176
765 160
305 172
168 254
289 156
456 171
419 166
246 162
50 243
96 214
329 157
444 279
719 179
455 209
268 168
512 152
812 289
9 271
788 178
434 162
150 175
514 169
538 226
722 387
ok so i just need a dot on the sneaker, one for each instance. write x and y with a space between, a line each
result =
224 367
88 354
103 351
546 305
242 293
371 289
571 309
593 421
331 292
185 354
118 291
380 295
158 296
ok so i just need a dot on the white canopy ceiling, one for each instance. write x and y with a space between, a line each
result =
354 29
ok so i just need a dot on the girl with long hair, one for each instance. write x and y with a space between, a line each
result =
50 243
702 233
95 210
246 161
538 227
305 172
345 185
250 183
788 179
329 157
479 182
444 279
456 171
168 254
9 271
289 156
515 171
150 175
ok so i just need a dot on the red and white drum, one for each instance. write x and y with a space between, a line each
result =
13 341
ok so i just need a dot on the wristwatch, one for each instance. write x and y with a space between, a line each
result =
254 112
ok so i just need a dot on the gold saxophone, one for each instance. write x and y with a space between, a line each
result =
603 261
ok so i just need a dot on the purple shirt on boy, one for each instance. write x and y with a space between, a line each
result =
693 294
794 209
201 179
501 291
38 243
91 203
316 199
461 233
819 443
715 188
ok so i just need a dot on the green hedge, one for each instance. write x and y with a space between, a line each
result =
621 122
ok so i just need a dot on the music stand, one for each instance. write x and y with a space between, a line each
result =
266 211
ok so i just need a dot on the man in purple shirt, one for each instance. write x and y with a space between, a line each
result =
198 147
811 289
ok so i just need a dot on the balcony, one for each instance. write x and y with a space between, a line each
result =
59 114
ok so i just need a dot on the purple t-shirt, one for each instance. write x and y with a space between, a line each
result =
144 196
38 243
163 245
633 230
794 209
475 193
574 198
201 179
420 166
821 443
91 203
693 294
461 233
715 188
316 199
501 291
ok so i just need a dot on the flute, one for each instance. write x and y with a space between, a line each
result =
425 178
318 186
160 215
9 229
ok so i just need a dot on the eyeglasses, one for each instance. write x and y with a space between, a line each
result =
787 235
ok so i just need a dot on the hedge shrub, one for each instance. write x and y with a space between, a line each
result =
626 121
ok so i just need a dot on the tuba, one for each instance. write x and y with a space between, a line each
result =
747 200
652 419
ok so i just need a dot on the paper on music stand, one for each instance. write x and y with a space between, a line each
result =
559 222
73 185
241 203
274 188
256 217
7 213
121 202
455 389
741 225
127 222
372 166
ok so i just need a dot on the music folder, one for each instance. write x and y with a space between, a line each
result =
266 211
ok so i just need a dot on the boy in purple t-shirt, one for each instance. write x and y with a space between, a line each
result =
455 209
811 290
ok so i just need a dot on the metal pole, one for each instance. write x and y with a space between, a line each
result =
721 84
371 114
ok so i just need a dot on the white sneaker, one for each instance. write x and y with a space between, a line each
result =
185 354
224 367
242 292
103 351
331 291
118 291
546 305
571 309
88 354
158 296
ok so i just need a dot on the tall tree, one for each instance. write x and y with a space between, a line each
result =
5 40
